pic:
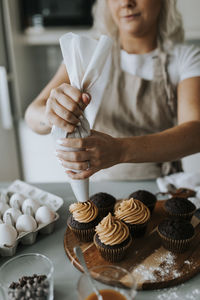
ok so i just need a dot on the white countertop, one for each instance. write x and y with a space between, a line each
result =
66 275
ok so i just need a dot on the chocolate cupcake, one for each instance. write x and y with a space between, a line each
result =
83 219
112 238
104 202
135 215
178 207
184 193
176 234
145 197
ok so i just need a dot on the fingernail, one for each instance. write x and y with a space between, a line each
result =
56 153
81 117
87 96
79 123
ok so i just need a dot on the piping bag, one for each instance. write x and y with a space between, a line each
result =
84 59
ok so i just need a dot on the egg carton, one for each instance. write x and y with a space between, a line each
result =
44 198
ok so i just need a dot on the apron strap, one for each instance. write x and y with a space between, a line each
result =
160 71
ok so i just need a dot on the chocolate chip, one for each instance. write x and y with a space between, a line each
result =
39 292
13 285
29 286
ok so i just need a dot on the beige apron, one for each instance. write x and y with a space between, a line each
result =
133 106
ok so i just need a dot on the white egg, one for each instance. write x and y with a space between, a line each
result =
3 207
26 223
16 200
30 203
44 215
4 197
13 212
8 235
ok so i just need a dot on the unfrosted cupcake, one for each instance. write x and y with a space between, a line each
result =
112 238
176 234
146 198
135 215
178 207
83 219
104 202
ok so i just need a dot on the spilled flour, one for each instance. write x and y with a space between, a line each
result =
178 293
157 267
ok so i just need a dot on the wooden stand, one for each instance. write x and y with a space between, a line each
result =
153 266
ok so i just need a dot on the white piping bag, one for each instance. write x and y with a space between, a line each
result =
85 59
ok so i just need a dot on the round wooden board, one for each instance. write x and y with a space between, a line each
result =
153 266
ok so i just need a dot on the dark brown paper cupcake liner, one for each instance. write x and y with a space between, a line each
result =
113 255
83 235
177 246
187 216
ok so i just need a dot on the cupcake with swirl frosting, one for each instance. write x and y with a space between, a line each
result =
112 238
83 219
135 215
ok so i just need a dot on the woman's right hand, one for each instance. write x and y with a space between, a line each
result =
65 106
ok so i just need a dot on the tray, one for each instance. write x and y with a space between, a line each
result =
153 266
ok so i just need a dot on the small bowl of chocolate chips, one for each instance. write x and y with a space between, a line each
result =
27 277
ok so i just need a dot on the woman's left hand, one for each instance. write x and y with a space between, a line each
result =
96 152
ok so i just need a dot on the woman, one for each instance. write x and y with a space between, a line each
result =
149 116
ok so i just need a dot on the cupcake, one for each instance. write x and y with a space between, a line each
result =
184 193
83 219
135 215
112 238
178 207
104 202
145 197
176 234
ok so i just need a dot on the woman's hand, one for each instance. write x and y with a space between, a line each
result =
65 106
98 151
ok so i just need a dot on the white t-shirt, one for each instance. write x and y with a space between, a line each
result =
184 62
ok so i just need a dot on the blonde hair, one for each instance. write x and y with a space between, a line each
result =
170 26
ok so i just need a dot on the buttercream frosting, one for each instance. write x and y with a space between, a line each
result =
133 211
83 212
112 231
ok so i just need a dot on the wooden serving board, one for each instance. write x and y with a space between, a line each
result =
153 266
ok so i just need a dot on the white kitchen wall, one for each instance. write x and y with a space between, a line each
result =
192 163
39 162
190 11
